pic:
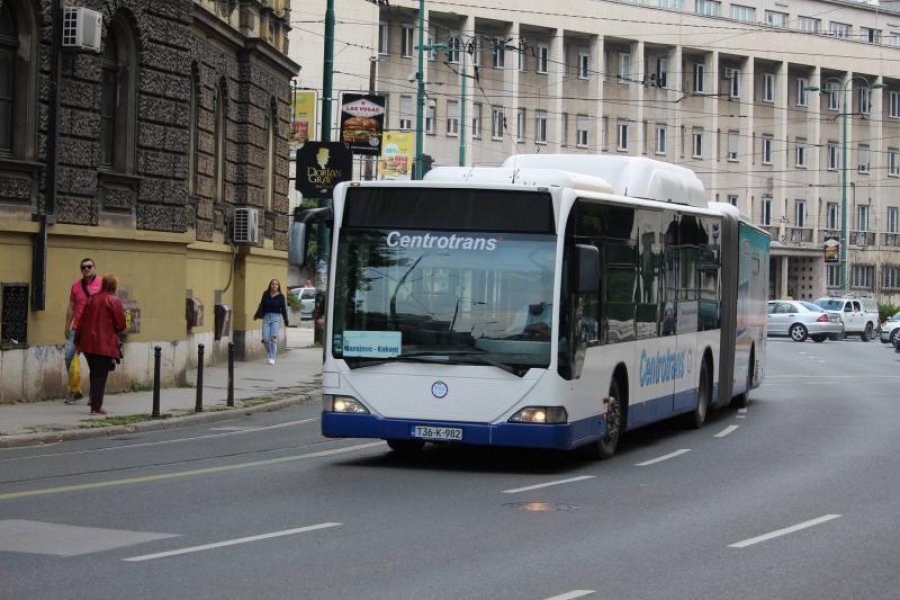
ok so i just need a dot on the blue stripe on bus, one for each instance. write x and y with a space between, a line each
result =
562 437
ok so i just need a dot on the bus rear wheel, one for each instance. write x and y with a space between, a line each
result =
696 418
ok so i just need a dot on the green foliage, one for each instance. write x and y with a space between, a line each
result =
885 311
293 302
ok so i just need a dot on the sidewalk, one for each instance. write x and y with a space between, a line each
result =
296 377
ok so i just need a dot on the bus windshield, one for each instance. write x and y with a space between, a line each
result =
438 296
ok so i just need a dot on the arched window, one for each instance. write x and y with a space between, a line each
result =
117 104
221 121
9 48
272 140
194 124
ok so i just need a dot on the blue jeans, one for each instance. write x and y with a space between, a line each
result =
271 329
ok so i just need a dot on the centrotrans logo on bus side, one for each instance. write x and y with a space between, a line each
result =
442 242
664 367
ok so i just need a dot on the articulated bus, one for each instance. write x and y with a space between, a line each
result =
557 301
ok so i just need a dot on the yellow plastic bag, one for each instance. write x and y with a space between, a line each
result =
75 374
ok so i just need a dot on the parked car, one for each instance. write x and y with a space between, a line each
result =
799 320
890 330
307 296
859 314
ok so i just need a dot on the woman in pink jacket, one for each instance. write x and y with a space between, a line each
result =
97 337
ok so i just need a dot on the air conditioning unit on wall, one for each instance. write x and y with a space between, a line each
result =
245 227
82 29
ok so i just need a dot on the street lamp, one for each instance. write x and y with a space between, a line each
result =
844 88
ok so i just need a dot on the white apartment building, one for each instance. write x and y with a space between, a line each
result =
764 99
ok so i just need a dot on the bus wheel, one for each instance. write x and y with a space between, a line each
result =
742 400
406 447
697 417
615 421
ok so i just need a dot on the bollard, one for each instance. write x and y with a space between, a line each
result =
198 406
230 401
157 354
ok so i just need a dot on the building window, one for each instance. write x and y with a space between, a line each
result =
697 143
832 164
862 277
584 65
406 113
520 125
709 8
9 49
893 219
429 118
865 101
766 214
622 136
734 82
117 98
662 72
499 55
543 59
799 213
894 104
893 162
869 35
833 95
699 69
407 47
624 67
776 19
832 215
564 138
802 91
522 50
743 13
800 155
833 276
768 143
862 162
109 101
271 153
194 140
733 144
732 199
660 139
671 4
452 117
476 120
890 277
497 122
841 30
383 29
432 52
862 217
809 24
454 49
14 313
221 131
581 131
893 39
540 126
768 94
474 50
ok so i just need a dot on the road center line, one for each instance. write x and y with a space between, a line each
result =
179 474
780 532
653 461
548 484
726 431
235 542
572 595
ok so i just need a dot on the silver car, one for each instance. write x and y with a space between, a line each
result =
800 320
890 330
307 296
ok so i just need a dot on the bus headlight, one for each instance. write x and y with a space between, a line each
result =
540 414
342 404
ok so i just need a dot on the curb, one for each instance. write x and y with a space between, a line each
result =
51 437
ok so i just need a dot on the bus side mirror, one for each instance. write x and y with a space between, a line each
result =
297 244
587 264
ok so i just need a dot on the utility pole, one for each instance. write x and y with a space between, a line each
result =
420 94
370 160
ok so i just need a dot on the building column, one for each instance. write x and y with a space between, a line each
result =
637 90
556 73
676 95
745 132
598 58
511 81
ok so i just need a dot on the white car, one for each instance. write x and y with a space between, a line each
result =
890 330
859 314
307 296
799 320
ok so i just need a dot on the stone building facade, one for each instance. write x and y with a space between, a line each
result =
179 118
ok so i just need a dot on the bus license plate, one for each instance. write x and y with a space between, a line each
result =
425 432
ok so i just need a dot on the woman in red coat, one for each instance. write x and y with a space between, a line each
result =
97 337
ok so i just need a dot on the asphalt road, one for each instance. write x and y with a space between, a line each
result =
795 497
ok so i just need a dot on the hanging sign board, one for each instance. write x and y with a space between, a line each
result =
321 166
362 122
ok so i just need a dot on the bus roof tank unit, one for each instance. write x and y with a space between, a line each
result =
537 177
632 176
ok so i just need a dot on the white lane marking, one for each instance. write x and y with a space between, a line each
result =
662 458
726 431
787 530
572 595
163 442
548 484
191 473
235 542
742 411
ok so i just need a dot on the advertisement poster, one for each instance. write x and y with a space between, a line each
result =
362 122
397 154
303 116
321 166
832 250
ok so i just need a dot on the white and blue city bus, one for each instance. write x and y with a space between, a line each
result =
554 302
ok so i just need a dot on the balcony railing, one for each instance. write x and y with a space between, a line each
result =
862 238
891 240
798 235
